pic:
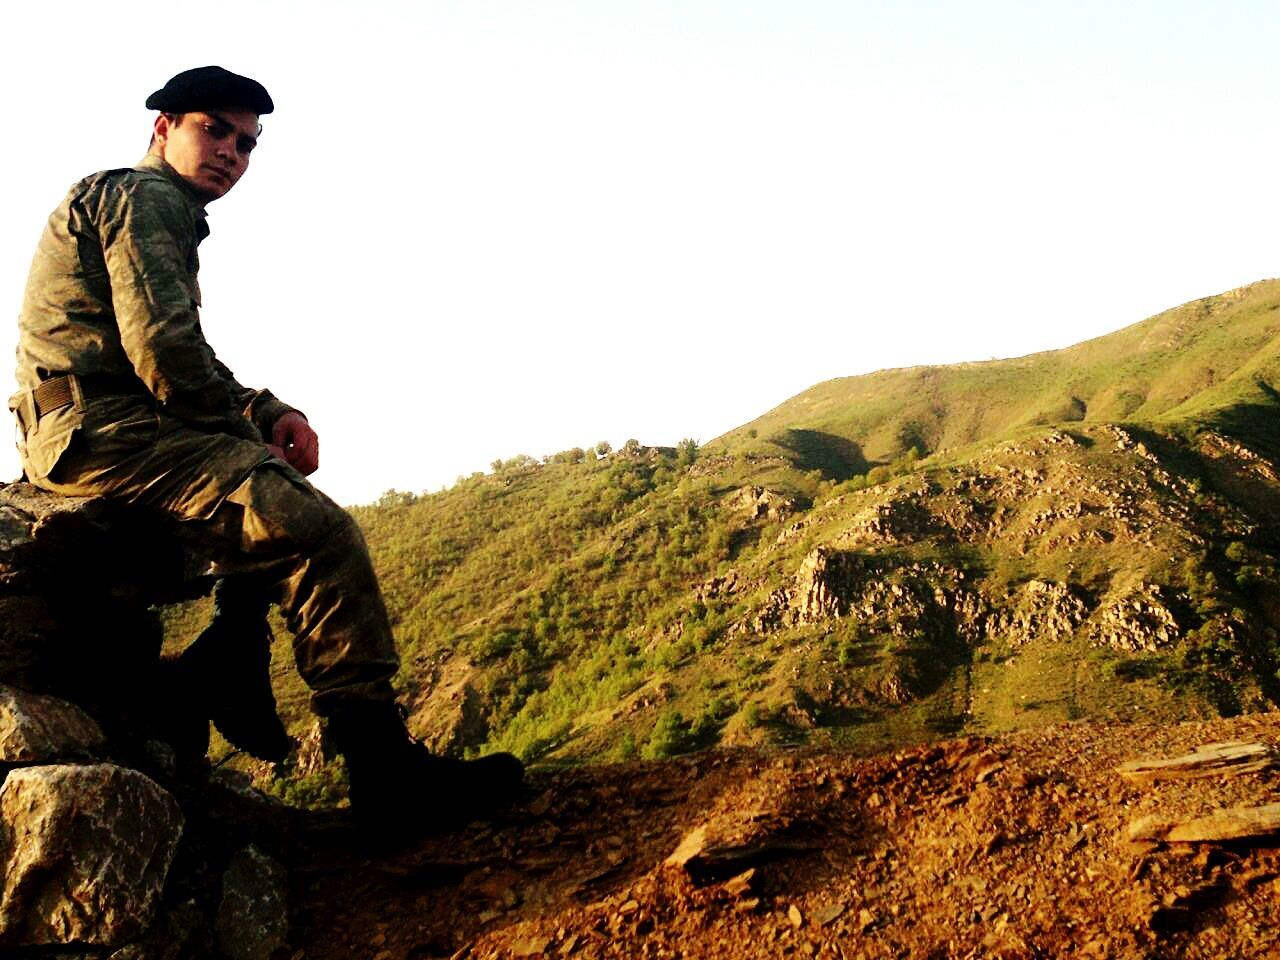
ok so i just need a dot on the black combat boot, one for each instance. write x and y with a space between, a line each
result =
227 672
397 786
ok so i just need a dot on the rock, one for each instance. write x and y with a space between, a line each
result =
760 503
1137 620
741 884
34 728
716 850
253 917
824 915
85 850
1040 609
534 945
453 716
1229 758
1235 823
48 542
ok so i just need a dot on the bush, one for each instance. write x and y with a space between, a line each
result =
325 788
626 748
670 736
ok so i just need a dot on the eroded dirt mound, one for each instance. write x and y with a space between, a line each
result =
1011 847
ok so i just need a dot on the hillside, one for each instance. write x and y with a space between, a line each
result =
880 561
1197 363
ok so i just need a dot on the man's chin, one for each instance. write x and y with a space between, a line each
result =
209 188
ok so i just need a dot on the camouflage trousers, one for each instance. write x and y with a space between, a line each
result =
253 516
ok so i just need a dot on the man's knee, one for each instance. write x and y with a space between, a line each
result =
281 507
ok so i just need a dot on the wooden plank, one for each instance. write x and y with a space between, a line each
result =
1230 823
1227 759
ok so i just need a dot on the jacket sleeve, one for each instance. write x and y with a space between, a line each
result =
261 407
149 242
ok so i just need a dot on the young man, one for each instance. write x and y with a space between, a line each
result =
121 396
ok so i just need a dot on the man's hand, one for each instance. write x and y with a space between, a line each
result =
293 440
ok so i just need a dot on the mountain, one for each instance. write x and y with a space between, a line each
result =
878 561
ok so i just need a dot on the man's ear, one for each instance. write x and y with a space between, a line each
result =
160 130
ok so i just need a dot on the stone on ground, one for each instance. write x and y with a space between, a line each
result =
85 851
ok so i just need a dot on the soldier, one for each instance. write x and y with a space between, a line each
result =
121 396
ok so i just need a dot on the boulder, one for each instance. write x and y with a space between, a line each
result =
253 918
53 545
85 851
35 728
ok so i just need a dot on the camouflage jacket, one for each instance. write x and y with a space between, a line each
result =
113 290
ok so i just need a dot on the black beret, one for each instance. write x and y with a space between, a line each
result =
210 87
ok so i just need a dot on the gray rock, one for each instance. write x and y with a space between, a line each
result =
253 918
85 851
36 728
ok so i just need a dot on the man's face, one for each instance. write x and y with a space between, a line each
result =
210 150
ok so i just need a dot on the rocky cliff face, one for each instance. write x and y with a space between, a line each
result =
1113 539
107 841
909 599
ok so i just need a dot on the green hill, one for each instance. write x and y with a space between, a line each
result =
881 559
1193 363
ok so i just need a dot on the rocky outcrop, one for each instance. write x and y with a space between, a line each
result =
928 599
880 594
101 778
450 713
1038 610
761 503
1136 620
898 520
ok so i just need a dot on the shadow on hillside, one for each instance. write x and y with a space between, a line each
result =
837 457
1256 424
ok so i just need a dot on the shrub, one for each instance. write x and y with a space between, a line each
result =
670 736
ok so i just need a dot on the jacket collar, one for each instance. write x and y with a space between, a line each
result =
158 165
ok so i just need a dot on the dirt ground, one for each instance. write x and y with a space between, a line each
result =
1006 847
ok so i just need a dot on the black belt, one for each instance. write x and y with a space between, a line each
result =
56 392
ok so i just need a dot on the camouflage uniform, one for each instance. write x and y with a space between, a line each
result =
155 419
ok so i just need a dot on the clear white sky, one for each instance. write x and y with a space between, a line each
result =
488 227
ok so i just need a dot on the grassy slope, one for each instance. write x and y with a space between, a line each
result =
1189 361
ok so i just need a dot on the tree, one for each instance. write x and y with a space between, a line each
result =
686 452
911 437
